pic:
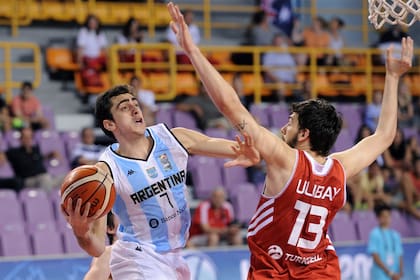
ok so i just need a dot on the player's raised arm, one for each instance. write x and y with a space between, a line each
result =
242 153
221 92
367 150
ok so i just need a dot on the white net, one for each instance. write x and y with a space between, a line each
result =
403 12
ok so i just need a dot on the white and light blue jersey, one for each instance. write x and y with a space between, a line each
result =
151 203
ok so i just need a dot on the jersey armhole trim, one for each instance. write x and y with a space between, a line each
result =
173 135
109 168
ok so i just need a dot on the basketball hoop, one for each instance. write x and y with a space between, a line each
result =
403 12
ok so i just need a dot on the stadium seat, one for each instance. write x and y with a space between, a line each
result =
206 176
12 138
184 119
165 115
245 201
70 140
50 141
365 221
233 178
37 206
159 82
278 115
343 230
91 89
60 59
260 113
70 242
216 132
186 83
10 207
14 241
46 240
49 114
6 170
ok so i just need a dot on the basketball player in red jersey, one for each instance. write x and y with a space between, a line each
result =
305 186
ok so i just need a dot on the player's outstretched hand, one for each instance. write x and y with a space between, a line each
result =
247 154
397 67
80 222
180 28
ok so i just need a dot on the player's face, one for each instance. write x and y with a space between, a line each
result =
289 132
128 117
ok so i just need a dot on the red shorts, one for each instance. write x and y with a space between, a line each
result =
318 271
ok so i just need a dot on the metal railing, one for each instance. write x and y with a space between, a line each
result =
151 14
358 61
8 79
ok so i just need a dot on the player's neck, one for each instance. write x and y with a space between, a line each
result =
140 148
305 146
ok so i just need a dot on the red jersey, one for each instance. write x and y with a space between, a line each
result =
207 215
287 235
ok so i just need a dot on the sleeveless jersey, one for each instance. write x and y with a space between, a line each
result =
287 235
151 204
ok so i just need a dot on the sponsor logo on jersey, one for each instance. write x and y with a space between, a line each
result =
130 172
302 260
275 252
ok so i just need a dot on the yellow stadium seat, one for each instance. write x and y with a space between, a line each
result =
161 16
120 12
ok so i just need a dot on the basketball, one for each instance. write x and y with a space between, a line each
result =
92 185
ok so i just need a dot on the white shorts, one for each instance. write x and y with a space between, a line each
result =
132 261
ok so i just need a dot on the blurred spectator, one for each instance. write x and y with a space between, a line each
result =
385 247
393 178
336 41
363 132
372 111
391 36
91 56
131 34
297 33
203 110
280 66
283 15
28 163
405 106
396 155
213 221
27 110
411 188
5 120
147 100
316 37
195 36
86 152
413 147
8 182
258 33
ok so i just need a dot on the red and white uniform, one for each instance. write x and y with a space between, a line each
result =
287 235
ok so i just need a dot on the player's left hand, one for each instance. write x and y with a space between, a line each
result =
180 28
247 154
397 67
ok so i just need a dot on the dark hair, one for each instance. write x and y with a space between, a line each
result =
104 104
323 122
359 136
111 225
127 28
26 84
86 23
340 21
258 17
379 208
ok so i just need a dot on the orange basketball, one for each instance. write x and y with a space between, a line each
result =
92 185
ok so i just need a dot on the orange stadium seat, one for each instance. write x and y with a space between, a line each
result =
159 82
415 81
250 82
358 84
186 83
121 12
161 15
378 81
323 86
60 59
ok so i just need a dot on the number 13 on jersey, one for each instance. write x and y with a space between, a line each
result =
306 209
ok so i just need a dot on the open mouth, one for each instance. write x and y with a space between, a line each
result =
139 120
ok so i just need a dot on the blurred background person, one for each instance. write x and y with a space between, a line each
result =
213 222
385 247
27 109
146 98
86 151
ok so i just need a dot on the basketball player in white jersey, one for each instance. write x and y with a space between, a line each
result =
148 167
